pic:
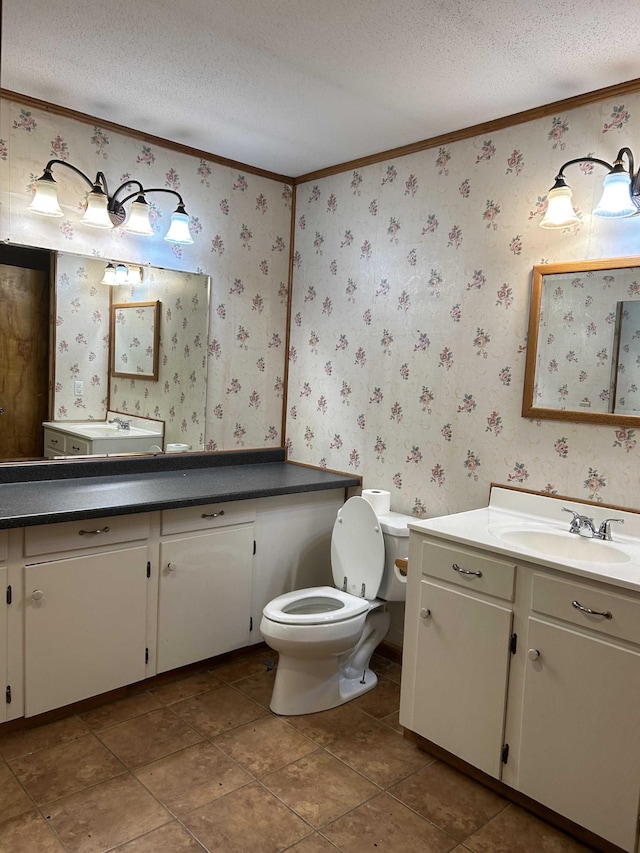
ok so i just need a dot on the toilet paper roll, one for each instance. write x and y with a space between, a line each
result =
401 577
177 448
379 499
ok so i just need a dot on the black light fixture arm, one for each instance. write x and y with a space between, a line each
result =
143 191
560 181
616 167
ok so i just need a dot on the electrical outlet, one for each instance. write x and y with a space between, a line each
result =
78 387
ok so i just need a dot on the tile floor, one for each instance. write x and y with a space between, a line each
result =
201 764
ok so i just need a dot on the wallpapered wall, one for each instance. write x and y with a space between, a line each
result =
409 317
240 223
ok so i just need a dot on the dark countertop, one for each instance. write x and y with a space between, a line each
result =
45 493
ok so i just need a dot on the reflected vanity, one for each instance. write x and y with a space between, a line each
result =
583 350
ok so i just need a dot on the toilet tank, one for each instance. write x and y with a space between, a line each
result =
396 544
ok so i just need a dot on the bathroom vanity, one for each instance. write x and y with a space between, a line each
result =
117 570
522 654
117 434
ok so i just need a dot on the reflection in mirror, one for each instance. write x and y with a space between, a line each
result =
134 338
82 348
583 350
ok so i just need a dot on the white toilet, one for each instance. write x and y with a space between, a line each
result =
325 636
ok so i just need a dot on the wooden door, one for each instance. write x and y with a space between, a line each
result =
24 361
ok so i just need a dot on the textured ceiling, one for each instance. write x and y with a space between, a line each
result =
297 85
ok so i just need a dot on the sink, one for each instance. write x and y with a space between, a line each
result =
563 546
102 430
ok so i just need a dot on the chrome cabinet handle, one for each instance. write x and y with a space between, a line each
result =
37 594
533 654
171 567
93 532
606 613
456 568
212 514
425 613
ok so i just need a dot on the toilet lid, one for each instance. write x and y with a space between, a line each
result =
357 549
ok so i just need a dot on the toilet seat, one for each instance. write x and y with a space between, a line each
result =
357 549
316 605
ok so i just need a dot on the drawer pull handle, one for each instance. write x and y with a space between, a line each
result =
425 613
93 532
172 567
212 514
456 568
533 654
606 613
37 594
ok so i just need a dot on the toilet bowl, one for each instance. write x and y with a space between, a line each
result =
325 636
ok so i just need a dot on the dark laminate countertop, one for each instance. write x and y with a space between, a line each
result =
44 493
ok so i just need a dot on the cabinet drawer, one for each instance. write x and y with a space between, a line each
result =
87 533
54 440
555 596
207 516
469 569
4 544
75 446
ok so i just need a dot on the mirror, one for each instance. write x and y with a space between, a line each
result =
583 349
134 339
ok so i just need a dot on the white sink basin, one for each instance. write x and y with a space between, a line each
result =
102 430
563 546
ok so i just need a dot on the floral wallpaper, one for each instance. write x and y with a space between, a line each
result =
409 314
577 358
240 223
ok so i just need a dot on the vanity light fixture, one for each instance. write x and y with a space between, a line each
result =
620 195
106 211
116 274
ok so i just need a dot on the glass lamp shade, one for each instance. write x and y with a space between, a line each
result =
109 276
179 229
96 214
122 274
138 221
45 198
560 212
616 197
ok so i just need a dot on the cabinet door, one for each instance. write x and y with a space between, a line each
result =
85 626
3 642
461 679
205 595
580 749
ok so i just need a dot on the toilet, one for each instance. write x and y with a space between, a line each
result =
325 636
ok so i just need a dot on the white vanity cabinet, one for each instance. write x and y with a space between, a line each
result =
205 580
4 538
85 604
461 625
502 669
580 735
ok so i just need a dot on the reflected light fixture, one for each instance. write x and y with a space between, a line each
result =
107 211
117 274
620 194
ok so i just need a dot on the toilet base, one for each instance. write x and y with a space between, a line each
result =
306 685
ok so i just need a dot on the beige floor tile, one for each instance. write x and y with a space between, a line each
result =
264 745
320 788
315 843
218 711
379 753
171 838
383 700
121 710
28 833
30 740
388 668
106 815
516 831
184 688
249 819
393 721
13 799
258 687
454 802
263 661
386 826
147 738
192 777
67 767
327 726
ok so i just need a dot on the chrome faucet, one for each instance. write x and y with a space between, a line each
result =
584 526
121 424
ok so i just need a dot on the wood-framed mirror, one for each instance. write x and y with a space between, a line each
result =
583 345
135 335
